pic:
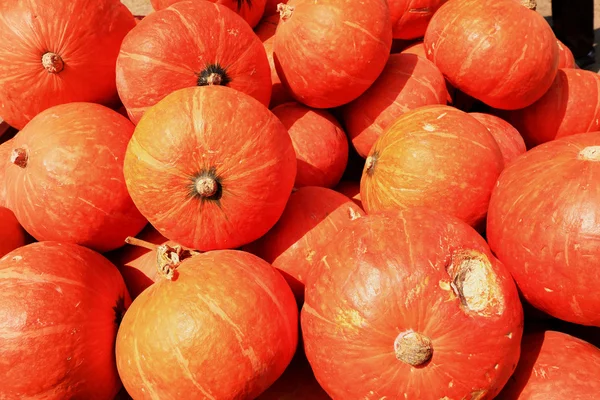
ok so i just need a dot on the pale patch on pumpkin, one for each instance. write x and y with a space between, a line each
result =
414 293
350 319
310 255
429 128
548 290
479 394
590 153
353 214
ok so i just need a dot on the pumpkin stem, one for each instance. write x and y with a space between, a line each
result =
531 4
413 348
53 63
206 186
140 243
169 258
214 79
370 164
285 11
19 157
590 153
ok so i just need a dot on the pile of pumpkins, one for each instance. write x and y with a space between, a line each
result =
296 200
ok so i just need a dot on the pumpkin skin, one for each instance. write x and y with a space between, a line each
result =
413 21
392 278
351 190
5 150
200 185
151 64
312 217
407 82
266 33
571 106
418 49
541 225
248 336
85 50
320 144
250 10
64 328
12 234
332 70
437 157
554 366
508 138
565 56
55 186
496 51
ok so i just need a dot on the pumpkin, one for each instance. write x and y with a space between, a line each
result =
199 184
571 106
437 157
418 303
266 33
351 190
250 10
313 216
51 51
542 225
222 325
496 51
65 180
415 17
508 138
329 53
554 366
407 82
320 144
61 305
12 234
207 44
565 56
5 151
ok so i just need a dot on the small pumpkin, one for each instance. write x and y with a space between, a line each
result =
415 18
250 10
508 138
12 234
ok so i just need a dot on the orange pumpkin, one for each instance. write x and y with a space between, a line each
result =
250 10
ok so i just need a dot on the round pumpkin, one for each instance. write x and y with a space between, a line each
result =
329 53
61 305
351 190
313 216
5 151
407 82
65 181
221 325
508 138
415 17
210 168
266 33
565 56
437 157
543 225
52 51
571 106
320 144
554 366
207 44
250 10
500 53
419 305
12 234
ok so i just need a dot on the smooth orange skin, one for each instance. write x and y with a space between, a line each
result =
72 189
193 130
152 64
407 82
328 53
414 18
436 157
86 34
496 51
5 151
571 106
251 10
266 33
59 304
320 144
418 49
228 327
508 138
542 224
385 274
351 190
312 218
565 56
554 366
12 234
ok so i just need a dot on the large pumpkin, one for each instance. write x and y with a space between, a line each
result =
407 82
437 157
508 138
496 51
554 366
320 144
571 106
210 168
5 151
313 217
61 305
221 325
415 17
12 234
544 223
419 305
328 53
65 181
56 52
249 10
206 44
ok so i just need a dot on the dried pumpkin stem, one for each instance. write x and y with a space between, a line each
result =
168 259
531 4
53 63
214 79
285 11
413 348
206 186
140 243
19 157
